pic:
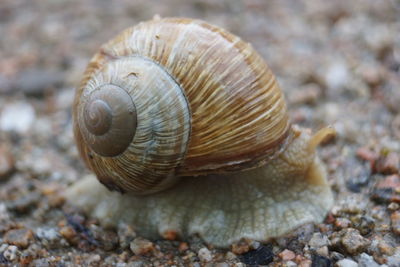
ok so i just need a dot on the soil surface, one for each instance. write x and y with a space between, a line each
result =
338 63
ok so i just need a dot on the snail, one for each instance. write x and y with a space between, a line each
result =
187 121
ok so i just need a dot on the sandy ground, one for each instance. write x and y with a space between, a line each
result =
338 63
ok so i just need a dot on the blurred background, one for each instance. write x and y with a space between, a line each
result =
338 63
336 51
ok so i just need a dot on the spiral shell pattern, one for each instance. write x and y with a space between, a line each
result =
223 110
134 122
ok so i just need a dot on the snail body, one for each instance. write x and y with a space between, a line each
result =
190 123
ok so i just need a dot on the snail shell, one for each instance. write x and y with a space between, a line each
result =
179 97
176 97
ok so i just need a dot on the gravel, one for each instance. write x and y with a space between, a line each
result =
338 63
346 263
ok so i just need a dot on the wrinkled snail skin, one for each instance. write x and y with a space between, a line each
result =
189 122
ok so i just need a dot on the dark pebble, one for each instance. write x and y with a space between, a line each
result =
385 195
354 186
395 219
363 223
360 177
320 261
24 204
3 260
19 237
388 164
262 255
107 240
6 162
35 82
77 223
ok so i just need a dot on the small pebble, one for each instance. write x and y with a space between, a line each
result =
350 241
204 255
69 234
19 237
395 220
305 263
367 155
108 240
320 261
346 263
4 215
307 95
3 247
337 75
26 257
125 235
298 237
354 243
255 245
342 223
387 190
363 223
336 256
290 264
141 246
323 251
229 256
34 82
6 162
48 236
170 235
287 255
366 260
394 260
388 164
93 259
25 203
318 240
17 117
183 246
348 205
53 193
386 248
263 255
390 181
240 247
11 253
393 206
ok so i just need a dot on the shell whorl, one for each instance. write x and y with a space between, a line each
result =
109 117
223 95
133 125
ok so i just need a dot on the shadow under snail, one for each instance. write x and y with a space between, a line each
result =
188 121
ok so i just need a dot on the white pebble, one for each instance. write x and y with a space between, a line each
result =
337 75
318 240
11 253
290 264
205 255
17 117
4 215
346 263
